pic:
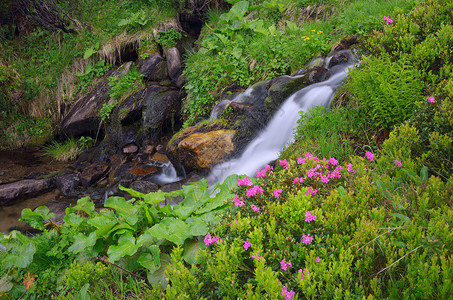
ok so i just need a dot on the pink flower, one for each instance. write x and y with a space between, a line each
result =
247 244
335 173
324 179
238 202
285 264
244 181
208 240
398 163
350 169
301 160
257 256
311 191
388 20
253 191
309 217
312 173
255 208
333 161
288 295
317 259
277 193
369 155
431 99
261 174
308 155
306 239
302 275
283 163
268 168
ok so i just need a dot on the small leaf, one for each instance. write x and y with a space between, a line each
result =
88 53
424 174
383 189
5 284
132 192
399 244
342 191
83 293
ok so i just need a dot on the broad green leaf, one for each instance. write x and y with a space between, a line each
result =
146 237
171 229
238 10
35 220
399 244
84 204
291 25
121 229
88 53
160 276
401 217
123 209
198 227
83 242
83 293
191 248
151 262
154 198
132 192
73 219
342 191
424 174
126 246
21 256
103 224
383 189
5 284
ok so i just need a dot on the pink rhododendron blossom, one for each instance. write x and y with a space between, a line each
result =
208 240
369 155
431 99
283 163
244 181
277 193
253 191
238 202
311 191
261 174
268 168
308 155
318 166
285 264
301 160
255 208
317 259
309 217
398 163
257 256
350 169
335 173
333 161
303 273
312 173
247 244
324 179
388 20
306 239
288 294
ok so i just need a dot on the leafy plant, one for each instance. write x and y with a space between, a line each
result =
69 150
121 87
135 20
92 71
168 38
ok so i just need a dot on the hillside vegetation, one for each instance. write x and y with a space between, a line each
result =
359 206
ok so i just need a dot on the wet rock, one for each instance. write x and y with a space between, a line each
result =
144 187
345 43
340 57
174 63
317 74
130 110
68 183
83 118
93 173
130 148
143 170
11 192
162 107
154 68
159 158
200 151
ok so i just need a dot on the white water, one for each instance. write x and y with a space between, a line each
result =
280 131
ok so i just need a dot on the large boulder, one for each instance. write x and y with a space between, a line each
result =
200 148
174 63
11 192
83 117
154 68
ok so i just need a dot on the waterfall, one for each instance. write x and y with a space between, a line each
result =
267 145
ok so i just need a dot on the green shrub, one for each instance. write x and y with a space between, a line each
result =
387 91
123 86
168 38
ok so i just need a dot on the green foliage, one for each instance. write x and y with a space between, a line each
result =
169 38
106 110
136 234
387 91
92 71
135 20
123 86
68 150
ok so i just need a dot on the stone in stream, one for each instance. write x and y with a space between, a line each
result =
93 173
154 68
68 183
11 192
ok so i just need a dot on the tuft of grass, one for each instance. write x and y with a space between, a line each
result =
69 150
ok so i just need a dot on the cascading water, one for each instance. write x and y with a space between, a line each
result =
267 146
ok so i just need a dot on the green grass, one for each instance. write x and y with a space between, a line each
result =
68 150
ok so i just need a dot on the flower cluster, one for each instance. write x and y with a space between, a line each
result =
247 244
309 217
244 181
253 191
369 155
431 99
388 20
208 240
263 173
398 163
238 202
285 264
256 256
288 294
303 273
311 191
306 239
277 193
283 163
